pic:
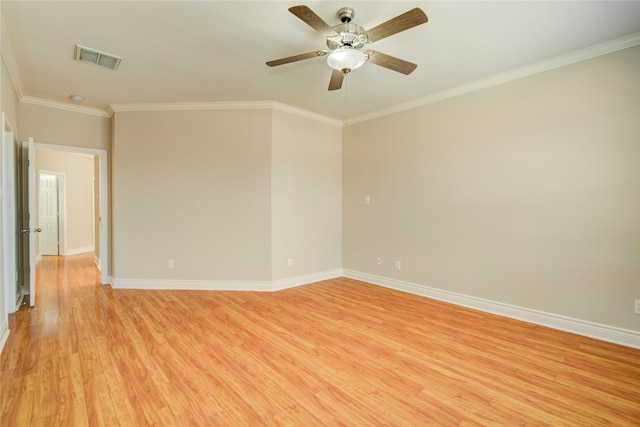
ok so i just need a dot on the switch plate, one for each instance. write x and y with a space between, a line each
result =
290 262
636 307
170 263
378 261
398 265
367 200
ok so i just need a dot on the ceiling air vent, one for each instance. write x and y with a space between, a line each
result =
96 57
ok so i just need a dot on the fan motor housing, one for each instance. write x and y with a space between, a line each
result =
352 35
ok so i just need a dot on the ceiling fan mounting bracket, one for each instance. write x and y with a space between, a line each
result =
346 14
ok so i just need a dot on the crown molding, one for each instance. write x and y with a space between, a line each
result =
192 106
9 59
64 106
540 67
244 105
307 114
550 64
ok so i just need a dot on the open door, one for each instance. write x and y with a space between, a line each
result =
28 192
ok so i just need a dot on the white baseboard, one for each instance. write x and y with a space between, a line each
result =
191 285
4 333
225 285
96 261
292 282
599 331
76 251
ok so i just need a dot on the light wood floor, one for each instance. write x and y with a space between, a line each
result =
338 352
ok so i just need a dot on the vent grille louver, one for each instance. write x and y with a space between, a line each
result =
97 57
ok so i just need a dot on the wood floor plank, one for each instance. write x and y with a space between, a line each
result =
47 393
333 353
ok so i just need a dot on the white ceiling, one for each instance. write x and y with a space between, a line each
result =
215 51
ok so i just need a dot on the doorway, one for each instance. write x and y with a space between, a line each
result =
82 200
13 176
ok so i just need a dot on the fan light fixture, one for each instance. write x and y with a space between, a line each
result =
346 58
346 42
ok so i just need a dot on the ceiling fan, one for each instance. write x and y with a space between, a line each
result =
345 42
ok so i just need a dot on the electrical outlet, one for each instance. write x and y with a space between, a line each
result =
398 265
367 200
378 261
636 308
290 262
170 263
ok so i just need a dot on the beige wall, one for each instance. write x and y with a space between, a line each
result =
306 195
195 187
228 195
60 127
80 214
526 193
78 170
9 100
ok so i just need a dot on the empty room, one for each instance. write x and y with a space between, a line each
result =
327 213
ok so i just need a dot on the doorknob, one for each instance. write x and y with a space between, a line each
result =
35 230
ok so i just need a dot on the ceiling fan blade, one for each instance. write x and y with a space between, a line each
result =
395 25
337 77
314 21
391 62
295 58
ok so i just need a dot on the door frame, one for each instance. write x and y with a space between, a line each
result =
62 209
105 253
10 268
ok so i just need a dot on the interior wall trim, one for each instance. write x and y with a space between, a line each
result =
193 106
599 331
225 285
192 285
549 64
519 73
64 106
278 285
307 114
77 251
242 105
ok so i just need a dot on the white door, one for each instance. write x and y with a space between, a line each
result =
48 214
29 221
